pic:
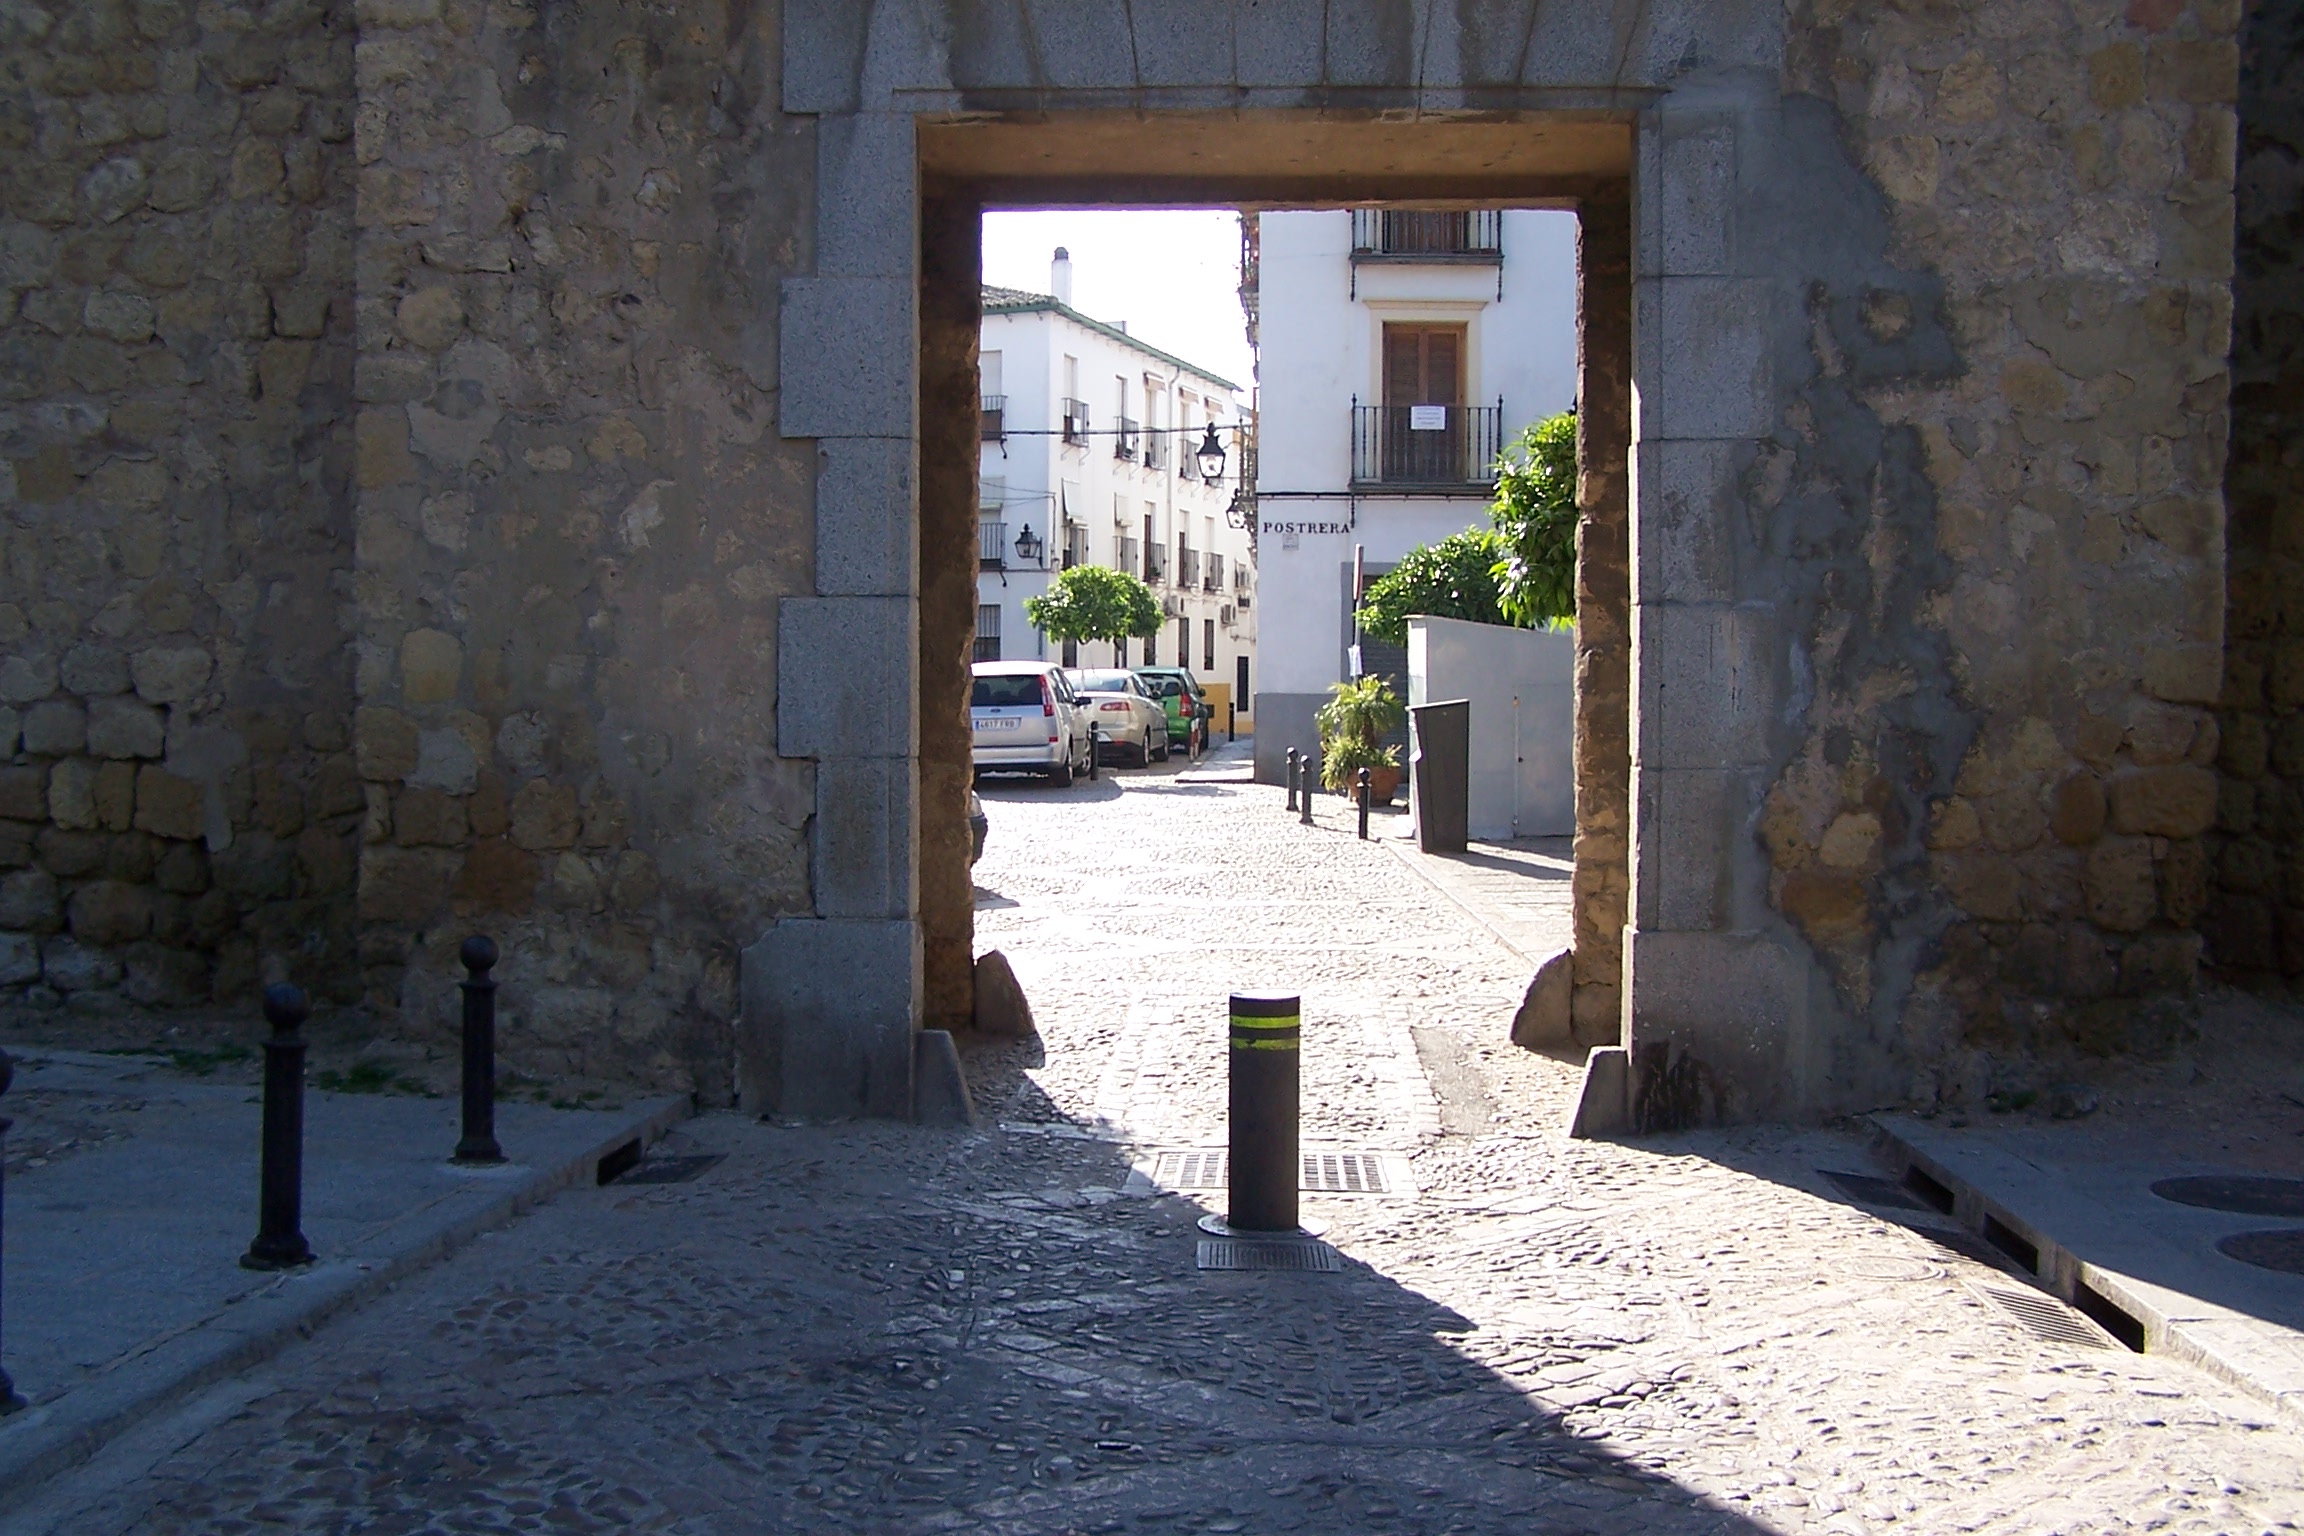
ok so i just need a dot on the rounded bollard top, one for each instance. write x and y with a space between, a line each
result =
479 953
286 1007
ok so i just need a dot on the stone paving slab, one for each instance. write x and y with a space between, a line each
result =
1516 890
2096 1224
124 1290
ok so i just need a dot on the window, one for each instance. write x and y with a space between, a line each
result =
1208 645
1240 680
1152 649
1423 365
995 404
1183 642
1071 653
988 644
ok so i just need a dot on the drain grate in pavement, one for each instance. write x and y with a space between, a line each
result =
2246 1194
1869 1189
1344 1173
2044 1317
1266 1254
2282 1250
1325 1173
669 1170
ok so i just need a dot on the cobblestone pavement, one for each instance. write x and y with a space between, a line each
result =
877 1329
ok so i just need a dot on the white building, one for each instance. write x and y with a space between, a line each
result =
1089 459
1397 353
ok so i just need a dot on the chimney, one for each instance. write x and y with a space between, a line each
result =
1060 276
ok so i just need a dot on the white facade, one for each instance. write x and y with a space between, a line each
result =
1387 449
1111 480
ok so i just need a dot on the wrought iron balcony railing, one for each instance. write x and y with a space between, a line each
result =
1156 564
1124 440
1426 447
1076 422
1187 567
1404 234
991 544
994 418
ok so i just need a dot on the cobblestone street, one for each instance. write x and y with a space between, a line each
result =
880 1329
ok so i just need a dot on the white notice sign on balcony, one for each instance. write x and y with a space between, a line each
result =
1427 418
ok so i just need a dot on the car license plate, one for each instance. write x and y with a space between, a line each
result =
1007 724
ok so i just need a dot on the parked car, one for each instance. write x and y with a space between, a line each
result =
1180 695
978 825
1128 719
1023 717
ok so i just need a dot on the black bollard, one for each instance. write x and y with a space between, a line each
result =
479 988
1291 778
1304 800
1095 752
1360 787
1263 1171
280 1230
10 1398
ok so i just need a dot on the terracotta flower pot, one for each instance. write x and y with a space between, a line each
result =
1383 784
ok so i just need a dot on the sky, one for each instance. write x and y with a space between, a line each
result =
1173 276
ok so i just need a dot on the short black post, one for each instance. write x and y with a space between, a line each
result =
1360 788
280 1232
10 1398
1231 721
1263 1172
479 988
1304 801
1096 751
1291 778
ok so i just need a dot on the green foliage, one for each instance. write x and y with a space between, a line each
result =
369 1077
1453 579
1352 725
1535 517
1094 602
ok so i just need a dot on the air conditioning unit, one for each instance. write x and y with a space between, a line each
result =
1224 614
1169 608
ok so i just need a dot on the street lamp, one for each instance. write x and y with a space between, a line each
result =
1028 546
1211 455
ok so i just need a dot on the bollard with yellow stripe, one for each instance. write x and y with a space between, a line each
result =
1267 1030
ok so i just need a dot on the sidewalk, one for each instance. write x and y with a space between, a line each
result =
131 1195
1517 890
2087 1209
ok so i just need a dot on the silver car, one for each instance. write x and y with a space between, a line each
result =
1129 722
1023 717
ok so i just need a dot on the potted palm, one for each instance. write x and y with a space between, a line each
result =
1352 726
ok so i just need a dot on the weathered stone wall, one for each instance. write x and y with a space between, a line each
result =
577 518
1995 482
178 802
2255 921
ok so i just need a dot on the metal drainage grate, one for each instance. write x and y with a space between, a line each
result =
1965 1245
2043 1317
1253 1253
1326 1173
1868 1189
669 1170
2280 1250
1344 1173
2248 1195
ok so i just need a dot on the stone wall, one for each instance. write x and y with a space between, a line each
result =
179 807
1996 478
2255 921
577 518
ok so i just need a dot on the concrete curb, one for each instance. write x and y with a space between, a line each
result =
1409 855
2261 1358
50 1438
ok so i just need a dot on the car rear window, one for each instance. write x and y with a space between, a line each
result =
1102 682
1164 687
1012 689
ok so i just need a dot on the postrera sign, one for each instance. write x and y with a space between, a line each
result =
1427 418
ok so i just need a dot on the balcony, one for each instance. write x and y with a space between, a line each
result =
1448 448
1156 450
1187 567
987 648
1075 545
1124 439
1388 234
994 419
1125 553
1214 581
1156 564
1076 423
991 544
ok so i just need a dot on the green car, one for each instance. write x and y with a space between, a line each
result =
1187 707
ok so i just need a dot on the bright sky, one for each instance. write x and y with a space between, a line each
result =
1173 276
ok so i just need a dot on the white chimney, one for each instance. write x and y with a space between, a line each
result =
1060 276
